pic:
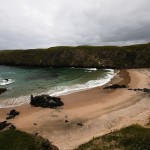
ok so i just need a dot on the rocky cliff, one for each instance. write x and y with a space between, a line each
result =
134 56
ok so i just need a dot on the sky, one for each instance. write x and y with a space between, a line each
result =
45 23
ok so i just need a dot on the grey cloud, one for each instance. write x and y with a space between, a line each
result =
37 23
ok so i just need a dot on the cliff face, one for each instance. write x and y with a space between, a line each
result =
135 56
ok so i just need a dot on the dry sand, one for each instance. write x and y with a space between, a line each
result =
101 111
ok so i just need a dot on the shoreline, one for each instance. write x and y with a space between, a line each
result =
100 111
22 99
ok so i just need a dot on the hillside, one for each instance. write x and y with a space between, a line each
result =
18 140
134 56
130 138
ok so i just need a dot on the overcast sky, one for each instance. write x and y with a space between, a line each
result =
45 23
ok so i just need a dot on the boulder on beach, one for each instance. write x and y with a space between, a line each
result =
115 86
80 124
3 125
2 90
12 114
46 101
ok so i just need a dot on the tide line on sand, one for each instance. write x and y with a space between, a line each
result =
60 90
64 90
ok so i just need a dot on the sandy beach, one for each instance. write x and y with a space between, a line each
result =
100 111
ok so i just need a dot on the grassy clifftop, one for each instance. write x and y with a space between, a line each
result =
135 56
130 138
18 140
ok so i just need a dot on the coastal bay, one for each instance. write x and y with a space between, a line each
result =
100 111
75 75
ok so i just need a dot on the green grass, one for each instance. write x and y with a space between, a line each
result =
18 140
130 138
133 137
134 56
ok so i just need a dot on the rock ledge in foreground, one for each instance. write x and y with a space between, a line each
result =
46 101
115 86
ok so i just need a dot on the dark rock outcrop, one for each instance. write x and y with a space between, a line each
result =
46 101
12 127
145 90
3 125
115 86
12 114
66 121
9 117
80 124
2 90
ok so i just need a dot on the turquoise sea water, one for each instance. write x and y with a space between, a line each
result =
24 81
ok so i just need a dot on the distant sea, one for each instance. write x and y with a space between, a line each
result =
21 82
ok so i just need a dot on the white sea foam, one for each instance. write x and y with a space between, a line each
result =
6 81
11 102
88 69
108 70
91 69
61 90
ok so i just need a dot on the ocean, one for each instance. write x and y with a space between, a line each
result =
21 82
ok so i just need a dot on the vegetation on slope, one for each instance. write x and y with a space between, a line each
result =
18 140
133 137
130 138
135 56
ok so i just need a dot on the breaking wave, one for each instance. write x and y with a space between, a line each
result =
6 81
